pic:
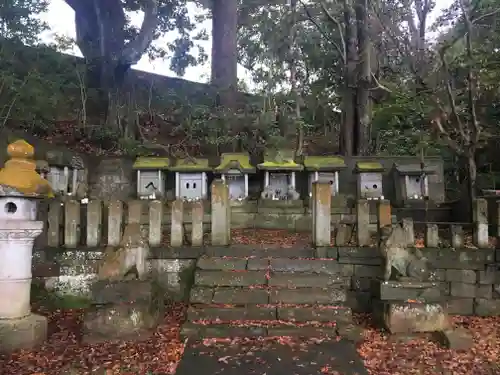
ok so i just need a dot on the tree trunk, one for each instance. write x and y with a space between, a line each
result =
349 100
224 55
471 180
364 80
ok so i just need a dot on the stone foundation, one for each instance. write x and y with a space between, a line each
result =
24 333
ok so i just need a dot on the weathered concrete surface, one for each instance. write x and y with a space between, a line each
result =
338 357
25 333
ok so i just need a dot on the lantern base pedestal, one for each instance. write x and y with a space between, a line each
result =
24 333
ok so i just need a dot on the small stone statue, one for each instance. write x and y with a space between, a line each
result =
409 262
292 194
267 193
133 251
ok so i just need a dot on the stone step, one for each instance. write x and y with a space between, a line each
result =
348 331
212 313
263 295
243 251
321 266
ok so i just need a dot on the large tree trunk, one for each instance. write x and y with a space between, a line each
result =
224 54
364 80
348 138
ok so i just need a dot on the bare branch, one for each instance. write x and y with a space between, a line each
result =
339 28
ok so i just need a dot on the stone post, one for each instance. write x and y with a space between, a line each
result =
321 215
384 215
497 229
221 231
480 211
457 236
177 224
71 223
20 186
155 221
409 230
94 223
363 222
197 223
431 235
115 221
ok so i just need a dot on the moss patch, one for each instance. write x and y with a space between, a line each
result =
369 166
53 301
240 161
280 160
151 163
191 165
316 163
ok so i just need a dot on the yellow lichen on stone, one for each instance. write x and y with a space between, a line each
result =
191 165
369 166
151 163
20 173
280 160
240 161
315 163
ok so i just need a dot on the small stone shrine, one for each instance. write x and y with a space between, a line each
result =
65 173
369 179
234 169
412 182
191 178
151 176
20 188
324 169
279 168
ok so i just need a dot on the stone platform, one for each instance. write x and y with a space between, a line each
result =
24 333
271 358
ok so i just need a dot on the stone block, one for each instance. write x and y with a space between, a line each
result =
460 306
222 264
406 291
363 219
449 258
463 290
201 295
329 267
257 264
121 321
308 296
307 280
362 261
461 276
484 291
239 296
489 275
368 271
315 314
437 275
412 317
226 314
358 252
106 292
24 333
486 307
215 278
454 339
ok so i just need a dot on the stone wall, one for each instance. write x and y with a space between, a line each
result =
467 279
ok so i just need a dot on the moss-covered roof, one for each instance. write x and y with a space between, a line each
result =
323 163
279 160
240 161
413 169
151 163
369 166
191 165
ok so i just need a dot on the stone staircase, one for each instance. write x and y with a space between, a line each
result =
281 292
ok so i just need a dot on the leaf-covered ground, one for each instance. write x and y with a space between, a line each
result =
382 354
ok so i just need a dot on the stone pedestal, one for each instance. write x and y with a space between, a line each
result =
123 310
20 186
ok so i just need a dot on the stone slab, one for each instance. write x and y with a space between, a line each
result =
410 317
222 264
454 339
336 357
25 333
306 280
240 296
409 290
309 314
330 267
106 292
308 296
231 313
227 278
201 295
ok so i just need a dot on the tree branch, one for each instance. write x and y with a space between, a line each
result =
134 50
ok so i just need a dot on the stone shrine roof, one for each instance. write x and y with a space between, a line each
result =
240 161
324 163
19 177
369 167
151 163
413 169
191 165
280 160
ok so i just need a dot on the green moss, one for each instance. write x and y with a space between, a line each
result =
151 163
280 160
316 163
369 166
240 161
53 301
191 165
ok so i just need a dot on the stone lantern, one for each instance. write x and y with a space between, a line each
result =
20 188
